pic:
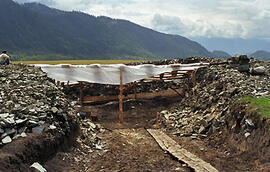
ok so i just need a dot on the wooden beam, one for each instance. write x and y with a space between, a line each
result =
164 93
169 145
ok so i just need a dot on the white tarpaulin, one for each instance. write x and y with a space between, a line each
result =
110 74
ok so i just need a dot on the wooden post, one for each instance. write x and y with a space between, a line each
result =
194 78
135 92
81 93
157 121
121 118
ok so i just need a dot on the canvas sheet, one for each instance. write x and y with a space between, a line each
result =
110 74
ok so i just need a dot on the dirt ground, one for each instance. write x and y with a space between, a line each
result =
126 150
128 146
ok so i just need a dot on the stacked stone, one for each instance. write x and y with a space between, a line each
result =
204 108
187 60
30 102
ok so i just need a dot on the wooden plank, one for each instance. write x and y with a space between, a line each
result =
169 145
164 93
165 78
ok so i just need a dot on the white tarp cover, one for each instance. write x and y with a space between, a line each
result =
110 74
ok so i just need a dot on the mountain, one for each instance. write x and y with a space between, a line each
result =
264 55
220 54
234 45
33 29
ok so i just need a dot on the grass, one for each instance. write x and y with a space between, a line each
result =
80 62
262 105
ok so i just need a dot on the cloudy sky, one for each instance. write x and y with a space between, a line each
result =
191 18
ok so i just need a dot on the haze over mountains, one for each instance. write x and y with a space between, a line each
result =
234 45
35 30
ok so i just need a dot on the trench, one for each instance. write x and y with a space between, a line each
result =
139 115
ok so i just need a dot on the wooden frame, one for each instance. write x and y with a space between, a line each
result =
186 74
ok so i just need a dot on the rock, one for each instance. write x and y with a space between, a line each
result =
38 129
164 112
243 59
243 68
167 116
258 70
4 115
1 131
30 99
247 135
9 121
201 130
23 134
10 131
98 147
20 121
249 123
92 125
38 167
52 127
6 140
32 123
54 110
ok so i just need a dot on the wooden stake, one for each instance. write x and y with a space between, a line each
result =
121 118
157 121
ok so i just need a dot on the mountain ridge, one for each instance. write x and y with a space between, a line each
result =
35 29
221 54
261 54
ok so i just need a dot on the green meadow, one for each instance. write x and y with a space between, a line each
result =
262 105
80 62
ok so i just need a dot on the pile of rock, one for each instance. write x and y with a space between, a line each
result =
187 60
30 102
91 89
89 135
204 108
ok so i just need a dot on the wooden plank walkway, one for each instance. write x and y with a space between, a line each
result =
169 145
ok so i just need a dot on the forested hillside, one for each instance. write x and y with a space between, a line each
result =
34 29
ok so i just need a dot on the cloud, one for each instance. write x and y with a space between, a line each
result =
169 24
208 18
